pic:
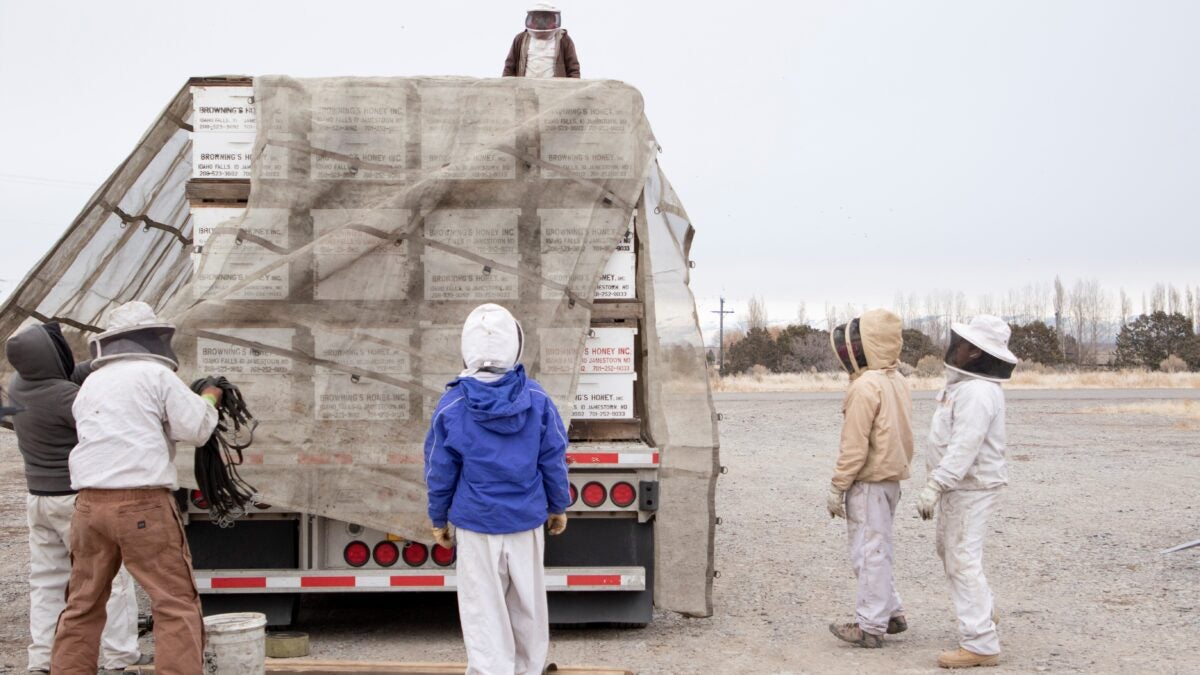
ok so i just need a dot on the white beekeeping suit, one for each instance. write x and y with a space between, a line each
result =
967 470
495 467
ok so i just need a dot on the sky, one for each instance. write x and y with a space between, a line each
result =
830 152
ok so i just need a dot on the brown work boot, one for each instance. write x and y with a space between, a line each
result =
897 624
962 658
850 632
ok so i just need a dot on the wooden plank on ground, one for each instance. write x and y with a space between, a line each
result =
310 666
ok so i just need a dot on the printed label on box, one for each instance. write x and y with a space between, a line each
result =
223 110
230 258
338 396
557 350
222 156
489 233
603 397
382 158
569 130
462 147
608 351
564 233
257 372
352 257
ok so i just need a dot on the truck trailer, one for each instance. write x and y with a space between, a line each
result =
319 242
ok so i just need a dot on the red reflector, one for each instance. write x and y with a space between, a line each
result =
443 556
623 494
239 582
419 581
198 500
260 505
415 554
357 554
594 494
574 495
327 582
386 554
593 580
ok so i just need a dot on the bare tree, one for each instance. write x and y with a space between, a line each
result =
1158 298
1174 304
802 314
831 321
756 314
1060 301
987 305
1039 302
1126 307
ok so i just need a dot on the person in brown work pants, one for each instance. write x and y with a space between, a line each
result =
129 413
143 528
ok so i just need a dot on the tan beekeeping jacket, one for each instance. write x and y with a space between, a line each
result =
877 438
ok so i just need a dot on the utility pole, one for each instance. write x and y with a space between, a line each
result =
721 338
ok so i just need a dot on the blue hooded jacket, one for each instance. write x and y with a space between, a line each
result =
496 456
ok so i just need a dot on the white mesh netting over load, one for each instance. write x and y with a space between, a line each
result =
380 212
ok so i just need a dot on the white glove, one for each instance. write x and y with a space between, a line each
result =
927 499
836 503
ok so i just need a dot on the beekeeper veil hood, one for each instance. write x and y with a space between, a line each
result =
492 342
543 17
990 334
134 332
870 342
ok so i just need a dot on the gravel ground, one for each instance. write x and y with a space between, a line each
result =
1073 556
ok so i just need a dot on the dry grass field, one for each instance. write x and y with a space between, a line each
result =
1122 379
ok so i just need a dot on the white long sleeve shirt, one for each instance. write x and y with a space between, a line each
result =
967 439
128 414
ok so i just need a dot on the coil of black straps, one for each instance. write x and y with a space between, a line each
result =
217 461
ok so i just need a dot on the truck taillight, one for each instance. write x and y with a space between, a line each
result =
415 554
199 501
356 554
443 556
574 495
386 554
594 494
623 494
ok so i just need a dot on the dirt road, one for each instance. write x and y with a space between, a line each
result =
1073 555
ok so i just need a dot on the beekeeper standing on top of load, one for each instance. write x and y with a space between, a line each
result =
496 467
543 49
876 449
966 473
129 413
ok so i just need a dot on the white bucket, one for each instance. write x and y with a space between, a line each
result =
236 644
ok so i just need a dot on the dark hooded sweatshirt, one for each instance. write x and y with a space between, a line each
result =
45 385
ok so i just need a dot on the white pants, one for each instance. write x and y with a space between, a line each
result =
502 602
961 528
50 568
870 510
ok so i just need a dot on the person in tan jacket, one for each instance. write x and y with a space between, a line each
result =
876 449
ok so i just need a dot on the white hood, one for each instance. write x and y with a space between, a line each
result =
134 332
492 342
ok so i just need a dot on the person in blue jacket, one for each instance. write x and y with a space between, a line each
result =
495 468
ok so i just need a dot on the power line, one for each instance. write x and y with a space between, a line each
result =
49 182
721 338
